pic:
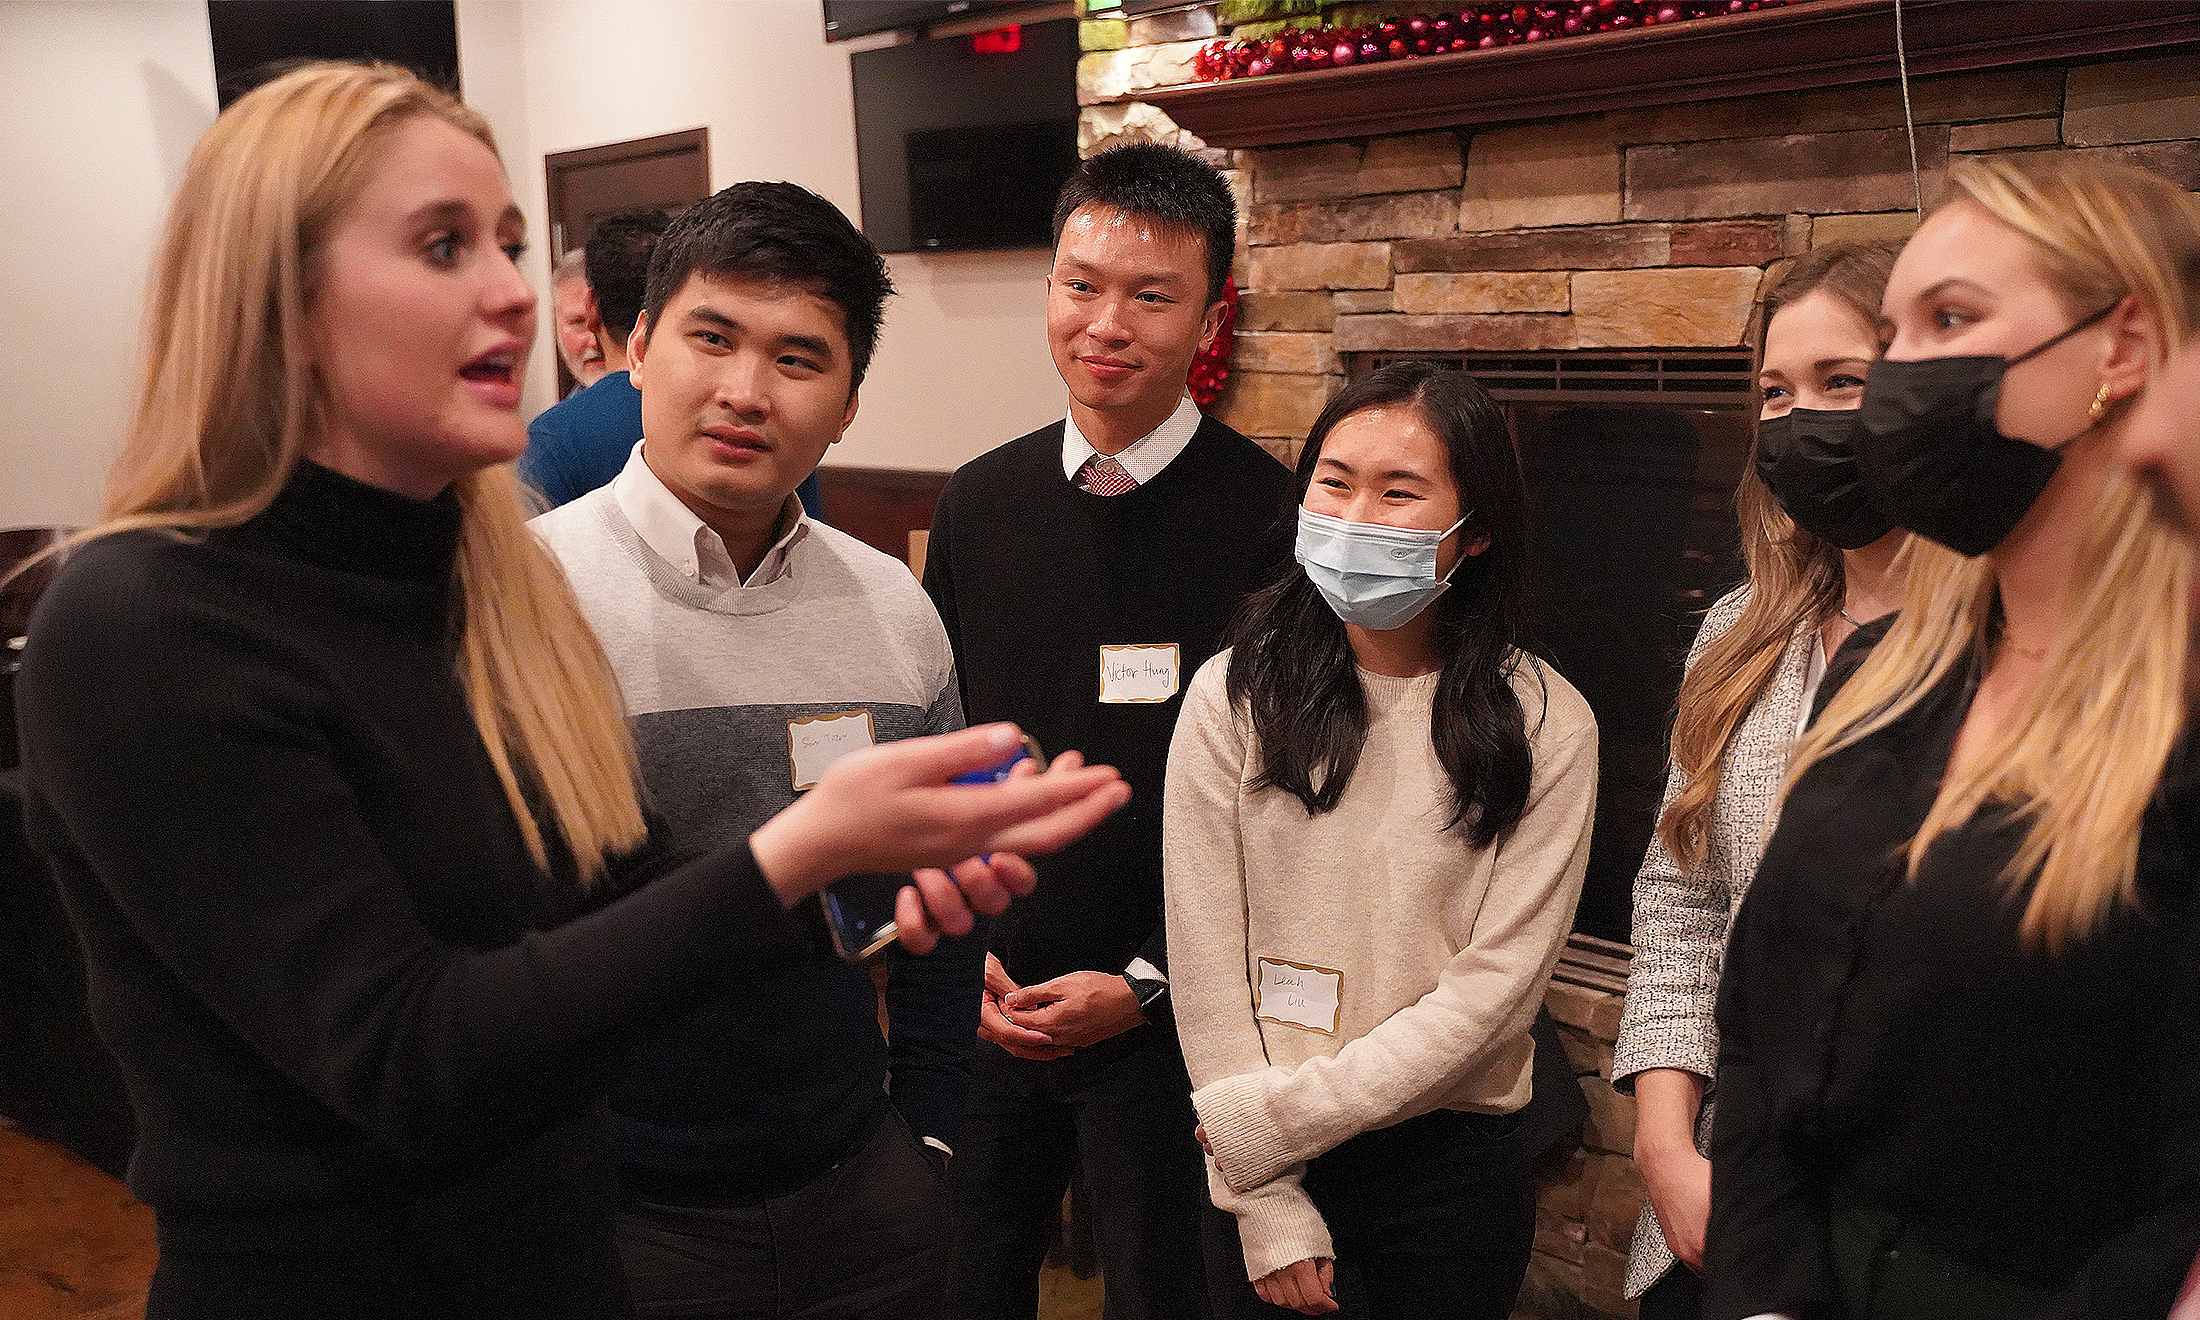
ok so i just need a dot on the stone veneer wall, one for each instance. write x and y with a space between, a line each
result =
1650 228
1590 1194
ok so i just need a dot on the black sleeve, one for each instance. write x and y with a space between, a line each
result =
932 1028
182 761
1156 949
939 579
2137 1274
1765 1249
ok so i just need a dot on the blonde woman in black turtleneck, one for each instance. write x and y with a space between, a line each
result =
333 776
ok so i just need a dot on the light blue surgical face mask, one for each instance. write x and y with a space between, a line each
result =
1375 576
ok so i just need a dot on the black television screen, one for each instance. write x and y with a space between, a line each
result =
963 142
254 39
858 18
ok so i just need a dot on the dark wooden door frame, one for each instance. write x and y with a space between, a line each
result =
693 143
554 164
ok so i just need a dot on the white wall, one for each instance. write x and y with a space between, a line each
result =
102 100
962 365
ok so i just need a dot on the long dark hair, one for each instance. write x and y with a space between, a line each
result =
1292 665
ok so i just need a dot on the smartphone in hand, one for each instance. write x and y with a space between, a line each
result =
859 909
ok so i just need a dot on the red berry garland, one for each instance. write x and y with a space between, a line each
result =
1212 366
1479 27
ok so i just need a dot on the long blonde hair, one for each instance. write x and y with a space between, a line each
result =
229 402
2084 751
1793 576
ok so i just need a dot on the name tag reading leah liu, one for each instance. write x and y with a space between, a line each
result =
1145 672
1297 995
814 742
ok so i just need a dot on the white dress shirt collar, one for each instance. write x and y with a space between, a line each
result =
1144 457
677 536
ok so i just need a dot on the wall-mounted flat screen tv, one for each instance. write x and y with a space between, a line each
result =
256 39
963 142
859 18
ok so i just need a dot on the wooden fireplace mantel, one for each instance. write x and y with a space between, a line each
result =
1816 43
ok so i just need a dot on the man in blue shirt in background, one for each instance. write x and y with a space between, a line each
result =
582 443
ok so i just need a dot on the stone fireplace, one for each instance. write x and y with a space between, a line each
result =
1588 227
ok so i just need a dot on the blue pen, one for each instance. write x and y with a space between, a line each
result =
994 774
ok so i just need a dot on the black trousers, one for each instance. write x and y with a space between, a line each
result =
1121 1112
870 1240
1432 1219
1887 1270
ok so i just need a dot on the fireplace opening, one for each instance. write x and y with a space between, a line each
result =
1631 461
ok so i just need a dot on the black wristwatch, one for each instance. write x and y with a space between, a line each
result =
1152 996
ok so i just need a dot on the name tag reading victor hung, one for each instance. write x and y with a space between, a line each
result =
814 742
1137 673
1297 995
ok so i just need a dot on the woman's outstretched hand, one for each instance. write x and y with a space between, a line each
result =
891 808
933 905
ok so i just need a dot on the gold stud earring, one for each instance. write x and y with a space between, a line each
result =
2100 405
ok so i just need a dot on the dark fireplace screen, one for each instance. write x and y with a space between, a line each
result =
1631 461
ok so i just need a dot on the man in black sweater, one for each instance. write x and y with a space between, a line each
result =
1084 572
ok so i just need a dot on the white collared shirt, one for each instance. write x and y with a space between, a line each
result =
682 540
1144 457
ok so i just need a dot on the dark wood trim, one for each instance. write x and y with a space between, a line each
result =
1594 963
893 479
1814 43
880 506
693 142
664 144
19 592
682 142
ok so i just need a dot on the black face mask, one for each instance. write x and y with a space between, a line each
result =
1808 459
1931 455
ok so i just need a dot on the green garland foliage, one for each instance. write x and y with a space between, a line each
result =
1103 34
1263 31
1366 15
1233 12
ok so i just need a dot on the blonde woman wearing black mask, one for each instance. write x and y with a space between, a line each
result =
1821 557
1956 1074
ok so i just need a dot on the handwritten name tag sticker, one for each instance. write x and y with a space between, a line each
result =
1297 995
1145 672
814 742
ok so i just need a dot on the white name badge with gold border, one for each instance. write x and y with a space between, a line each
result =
1297 995
1134 673
814 742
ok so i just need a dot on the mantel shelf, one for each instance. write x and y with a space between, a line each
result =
1818 43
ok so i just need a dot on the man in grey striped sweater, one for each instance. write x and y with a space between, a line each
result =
777 1155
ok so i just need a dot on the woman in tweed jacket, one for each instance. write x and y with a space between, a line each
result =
1820 559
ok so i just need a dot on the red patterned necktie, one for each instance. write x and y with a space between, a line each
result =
1104 476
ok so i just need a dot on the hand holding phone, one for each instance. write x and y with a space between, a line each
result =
861 911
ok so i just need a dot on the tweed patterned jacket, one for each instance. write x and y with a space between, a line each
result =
1682 917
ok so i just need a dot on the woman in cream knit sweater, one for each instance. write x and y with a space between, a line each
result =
1376 822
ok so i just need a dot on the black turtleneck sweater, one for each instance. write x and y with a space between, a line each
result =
1032 576
359 1026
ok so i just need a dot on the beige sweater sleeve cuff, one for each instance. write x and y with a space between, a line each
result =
1277 1222
1250 1146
